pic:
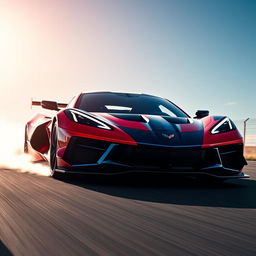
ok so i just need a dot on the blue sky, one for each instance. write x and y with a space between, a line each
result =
201 54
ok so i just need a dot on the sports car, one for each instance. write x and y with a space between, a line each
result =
115 133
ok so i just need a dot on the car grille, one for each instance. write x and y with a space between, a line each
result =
82 151
163 157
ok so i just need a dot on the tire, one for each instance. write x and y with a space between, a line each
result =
53 154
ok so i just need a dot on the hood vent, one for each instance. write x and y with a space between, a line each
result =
144 119
176 120
131 117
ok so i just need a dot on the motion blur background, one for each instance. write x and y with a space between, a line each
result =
200 54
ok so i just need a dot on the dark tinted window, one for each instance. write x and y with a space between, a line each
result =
128 103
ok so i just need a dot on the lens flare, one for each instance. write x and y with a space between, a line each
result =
11 151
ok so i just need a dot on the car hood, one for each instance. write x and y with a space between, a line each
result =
159 130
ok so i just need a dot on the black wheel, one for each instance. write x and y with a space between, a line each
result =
25 141
53 152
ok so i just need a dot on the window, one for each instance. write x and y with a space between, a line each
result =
166 111
129 103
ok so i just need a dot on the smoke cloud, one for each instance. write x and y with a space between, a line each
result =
11 150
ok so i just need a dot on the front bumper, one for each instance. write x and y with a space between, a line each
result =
99 157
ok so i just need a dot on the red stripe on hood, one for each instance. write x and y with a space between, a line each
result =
191 127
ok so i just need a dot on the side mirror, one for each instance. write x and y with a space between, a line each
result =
201 113
52 105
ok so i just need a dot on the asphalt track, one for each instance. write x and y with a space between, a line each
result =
43 216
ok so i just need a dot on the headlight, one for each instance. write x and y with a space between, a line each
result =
225 125
82 118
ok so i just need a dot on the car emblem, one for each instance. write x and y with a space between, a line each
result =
170 136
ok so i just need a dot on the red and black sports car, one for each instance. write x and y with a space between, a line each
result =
114 133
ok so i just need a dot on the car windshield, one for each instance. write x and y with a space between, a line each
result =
127 103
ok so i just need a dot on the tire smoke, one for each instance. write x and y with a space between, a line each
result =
11 150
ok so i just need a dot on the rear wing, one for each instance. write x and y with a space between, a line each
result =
52 105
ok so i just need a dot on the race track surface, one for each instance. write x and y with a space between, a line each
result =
43 216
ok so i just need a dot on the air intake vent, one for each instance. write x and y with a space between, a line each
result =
84 150
176 120
131 117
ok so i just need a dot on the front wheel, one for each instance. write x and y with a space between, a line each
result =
53 154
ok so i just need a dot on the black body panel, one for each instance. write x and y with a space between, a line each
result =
100 157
